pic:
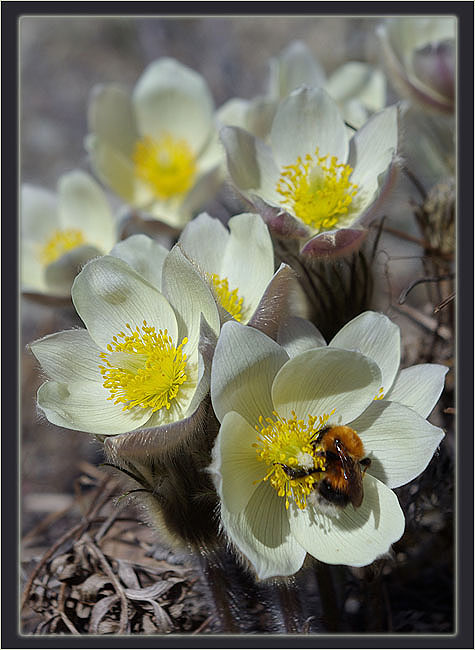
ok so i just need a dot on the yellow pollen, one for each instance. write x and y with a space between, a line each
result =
228 299
318 190
60 242
167 164
380 393
285 442
143 368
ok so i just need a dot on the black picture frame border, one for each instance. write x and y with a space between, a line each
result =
11 12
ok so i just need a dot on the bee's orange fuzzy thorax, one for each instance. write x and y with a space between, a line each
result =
349 438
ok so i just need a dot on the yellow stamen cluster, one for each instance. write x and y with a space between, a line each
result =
380 393
60 242
287 442
143 368
228 299
318 190
167 164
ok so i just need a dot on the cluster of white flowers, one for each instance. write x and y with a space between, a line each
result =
313 436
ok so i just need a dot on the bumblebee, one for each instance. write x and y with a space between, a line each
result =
345 465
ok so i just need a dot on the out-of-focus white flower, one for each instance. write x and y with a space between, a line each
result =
137 364
60 232
419 53
306 455
311 182
358 88
157 149
237 263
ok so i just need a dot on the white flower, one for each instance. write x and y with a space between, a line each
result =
61 232
358 88
282 492
237 263
311 182
157 149
137 364
419 53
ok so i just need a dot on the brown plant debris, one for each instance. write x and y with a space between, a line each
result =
99 575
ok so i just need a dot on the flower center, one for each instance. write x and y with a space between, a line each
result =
228 299
166 164
143 368
60 242
318 190
296 462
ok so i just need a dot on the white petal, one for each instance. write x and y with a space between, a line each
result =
371 150
399 442
235 463
297 335
244 366
356 80
203 240
262 533
233 112
190 296
248 261
59 275
250 163
408 34
419 387
354 113
294 67
308 119
108 293
203 380
32 270
376 336
321 380
200 194
68 356
212 156
111 117
84 406
170 97
356 537
82 204
143 254
113 168
39 213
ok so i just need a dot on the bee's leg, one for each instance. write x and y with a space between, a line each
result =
365 462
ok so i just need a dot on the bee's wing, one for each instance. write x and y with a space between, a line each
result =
352 473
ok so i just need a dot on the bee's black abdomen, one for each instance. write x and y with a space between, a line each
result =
333 496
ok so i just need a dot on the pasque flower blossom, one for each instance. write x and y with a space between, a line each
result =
419 53
60 232
138 362
308 452
157 149
311 182
238 263
358 88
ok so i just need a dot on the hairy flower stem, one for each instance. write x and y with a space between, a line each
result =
337 289
329 601
291 613
233 592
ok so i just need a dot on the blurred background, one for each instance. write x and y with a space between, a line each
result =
61 59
